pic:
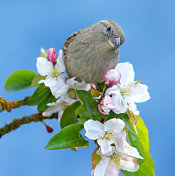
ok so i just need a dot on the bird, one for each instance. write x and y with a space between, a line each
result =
90 52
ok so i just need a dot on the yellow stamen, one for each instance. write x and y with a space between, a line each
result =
108 135
55 72
116 159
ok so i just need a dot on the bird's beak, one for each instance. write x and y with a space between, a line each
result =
114 43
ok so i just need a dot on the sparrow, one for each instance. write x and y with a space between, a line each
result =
90 52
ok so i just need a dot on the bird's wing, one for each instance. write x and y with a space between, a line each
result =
68 41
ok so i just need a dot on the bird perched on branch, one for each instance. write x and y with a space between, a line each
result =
90 52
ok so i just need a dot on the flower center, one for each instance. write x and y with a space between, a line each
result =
108 135
125 91
55 72
116 159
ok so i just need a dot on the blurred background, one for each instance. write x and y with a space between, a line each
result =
26 26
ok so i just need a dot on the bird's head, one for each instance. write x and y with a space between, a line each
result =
112 32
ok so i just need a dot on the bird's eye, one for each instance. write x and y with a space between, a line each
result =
109 28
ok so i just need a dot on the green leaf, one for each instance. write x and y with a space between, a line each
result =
101 86
68 137
43 53
36 79
132 135
69 117
19 80
41 97
141 142
89 107
142 134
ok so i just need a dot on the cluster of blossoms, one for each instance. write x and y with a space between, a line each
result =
121 95
123 91
115 152
52 69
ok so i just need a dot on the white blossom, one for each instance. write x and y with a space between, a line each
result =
127 92
105 134
51 71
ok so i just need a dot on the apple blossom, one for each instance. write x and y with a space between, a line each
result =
105 134
128 92
112 163
51 71
60 104
66 92
112 77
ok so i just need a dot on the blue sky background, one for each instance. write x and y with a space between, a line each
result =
26 26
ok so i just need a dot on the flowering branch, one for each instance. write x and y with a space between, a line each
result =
16 123
8 106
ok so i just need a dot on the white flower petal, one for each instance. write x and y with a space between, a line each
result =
101 167
80 85
60 63
129 164
71 82
50 110
44 67
107 153
119 103
60 87
105 146
115 125
129 150
133 108
127 73
60 114
113 90
49 81
112 170
94 129
140 92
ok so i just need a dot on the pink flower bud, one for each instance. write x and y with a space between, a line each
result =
112 77
49 129
106 105
52 55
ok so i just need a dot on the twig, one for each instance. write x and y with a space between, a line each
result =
8 106
16 123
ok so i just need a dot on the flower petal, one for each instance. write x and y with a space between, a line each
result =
133 108
119 103
107 153
129 150
60 114
105 146
115 125
94 129
101 167
60 63
113 90
50 110
129 163
60 87
140 92
127 73
112 170
49 81
44 67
